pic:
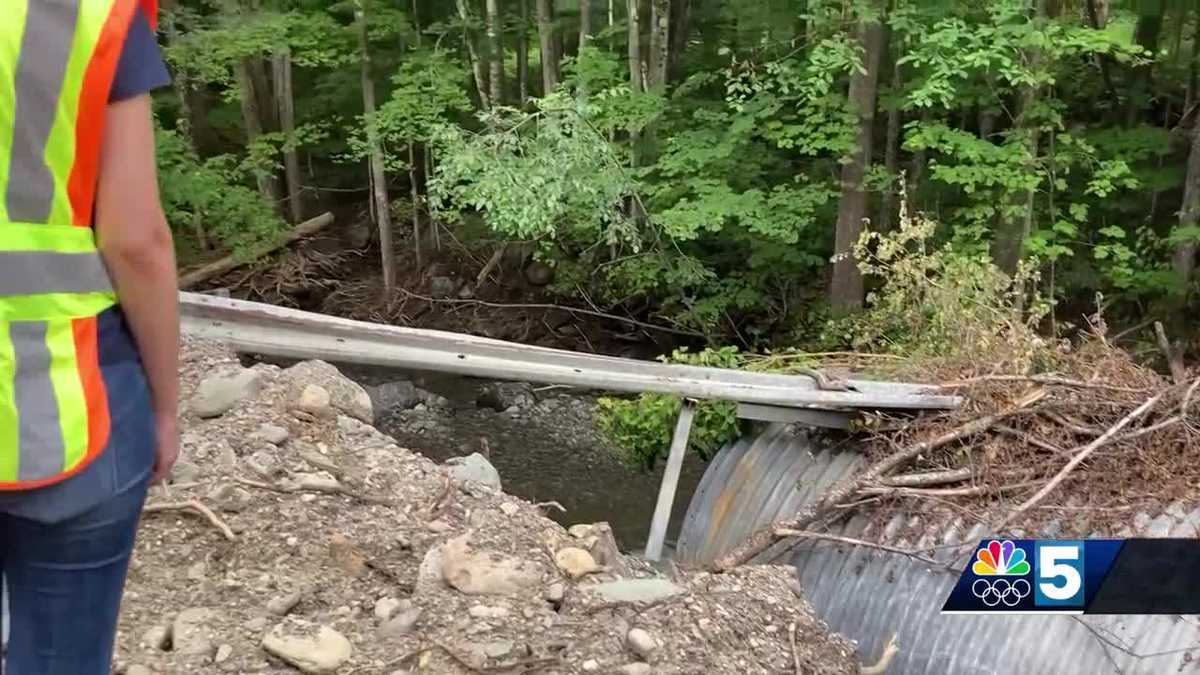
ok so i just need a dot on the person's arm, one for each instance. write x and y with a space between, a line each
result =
137 247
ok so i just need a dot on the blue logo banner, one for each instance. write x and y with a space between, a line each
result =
1033 576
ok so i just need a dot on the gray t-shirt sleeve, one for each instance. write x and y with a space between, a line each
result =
141 68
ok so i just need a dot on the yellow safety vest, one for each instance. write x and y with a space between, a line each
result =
57 62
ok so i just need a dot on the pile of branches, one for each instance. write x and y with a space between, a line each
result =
1099 434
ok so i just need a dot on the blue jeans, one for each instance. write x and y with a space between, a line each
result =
65 549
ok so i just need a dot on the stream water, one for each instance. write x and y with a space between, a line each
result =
550 451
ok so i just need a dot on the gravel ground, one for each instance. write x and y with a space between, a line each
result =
345 553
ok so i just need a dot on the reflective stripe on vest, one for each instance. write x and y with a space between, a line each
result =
57 60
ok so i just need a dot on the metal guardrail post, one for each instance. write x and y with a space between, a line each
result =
670 481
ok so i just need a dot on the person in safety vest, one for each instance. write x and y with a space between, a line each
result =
89 328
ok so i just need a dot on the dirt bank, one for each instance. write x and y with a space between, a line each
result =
330 549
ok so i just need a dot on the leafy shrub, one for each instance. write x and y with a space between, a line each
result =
213 194
946 301
642 427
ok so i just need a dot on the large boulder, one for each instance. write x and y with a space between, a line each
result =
345 395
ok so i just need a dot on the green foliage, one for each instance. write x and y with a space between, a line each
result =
212 192
709 204
641 428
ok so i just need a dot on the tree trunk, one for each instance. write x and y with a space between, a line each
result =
891 152
660 42
416 21
473 55
918 165
846 291
281 64
585 23
416 201
268 183
680 15
1146 35
545 19
263 89
1189 213
379 190
635 47
495 52
1008 246
1190 95
523 53
183 88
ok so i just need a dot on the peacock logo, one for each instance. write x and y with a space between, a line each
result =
1000 559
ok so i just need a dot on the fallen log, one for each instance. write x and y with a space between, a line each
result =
219 267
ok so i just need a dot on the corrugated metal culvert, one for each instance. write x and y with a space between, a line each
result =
868 595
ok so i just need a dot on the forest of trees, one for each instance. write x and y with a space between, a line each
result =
707 164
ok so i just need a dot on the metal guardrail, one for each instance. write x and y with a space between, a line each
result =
289 333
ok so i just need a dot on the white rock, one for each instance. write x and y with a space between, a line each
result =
498 649
137 670
386 608
197 571
189 632
226 457
223 653
641 643
576 562
218 394
484 612
474 468
485 573
315 399
635 669
322 651
591 666
637 590
580 531
282 604
402 624
509 509
158 638
429 574
555 592
438 526
270 433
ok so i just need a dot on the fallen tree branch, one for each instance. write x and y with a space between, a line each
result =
1030 439
550 505
885 660
929 478
1174 358
1079 457
803 534
193 506
972 491
232 262
491 265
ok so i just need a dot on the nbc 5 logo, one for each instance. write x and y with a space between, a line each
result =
1058 574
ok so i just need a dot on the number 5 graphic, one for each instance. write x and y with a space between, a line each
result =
1060 574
